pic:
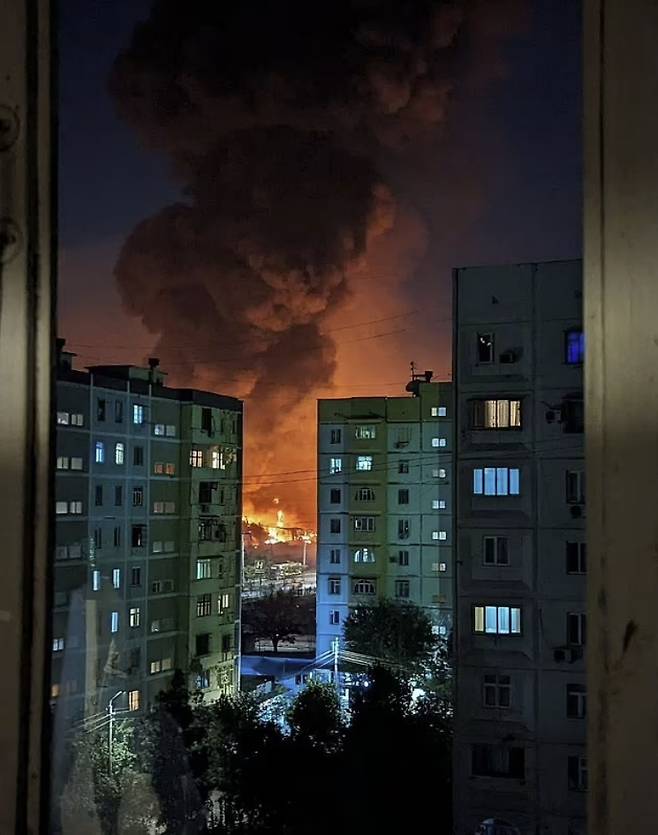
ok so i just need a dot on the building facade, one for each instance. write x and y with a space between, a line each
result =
148 546
385 505
521 552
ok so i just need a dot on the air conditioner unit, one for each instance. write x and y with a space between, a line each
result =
567 655
508 357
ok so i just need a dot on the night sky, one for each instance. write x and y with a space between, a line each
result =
502 184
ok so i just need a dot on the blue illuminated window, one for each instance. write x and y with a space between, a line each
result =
496 481
100 452
575 347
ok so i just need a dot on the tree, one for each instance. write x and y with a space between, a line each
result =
399 633
279 616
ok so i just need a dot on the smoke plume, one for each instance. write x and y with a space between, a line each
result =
282 120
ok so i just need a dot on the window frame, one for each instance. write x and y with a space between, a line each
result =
499 613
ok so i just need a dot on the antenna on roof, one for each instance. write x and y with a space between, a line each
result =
417 377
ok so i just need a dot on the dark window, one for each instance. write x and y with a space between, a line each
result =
136 576
575 486
495 550
134 659
485 347
118 411
403 528
577 628
576 701
403 497
202 644
334 525
138 456
403 467
138 536
573 415
334 496
577 772
138 496
403 557
203 605
100 409
98 538
98 495
206 420
498 761
226 643
496 690
334 556
117 537
576 558
574 346
211 529
118 495
208 492
336 435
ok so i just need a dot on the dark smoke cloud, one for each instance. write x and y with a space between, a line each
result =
279 117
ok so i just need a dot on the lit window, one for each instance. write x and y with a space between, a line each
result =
440 535
157 547
574 346
364 462
496 690
439 442
443 566
496 481
159 429
334 585
77 420
170 507
223 602
170 430
119 453
364 586
336 436
58 644
364 523
75 507
496 414
435 504
203 569
364 555
335 465
158 507
497 620
170 469
494 550
203 605
363 433
114 622
214 459
203 680
116 578
334 617
100 452
61 508
55 690
138 536
63 418
62 462
196 458
138 496
402 588
158 468
134 616
76 463
155 667
439 411
138 414
133 700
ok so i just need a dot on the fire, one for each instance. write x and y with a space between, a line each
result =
281 531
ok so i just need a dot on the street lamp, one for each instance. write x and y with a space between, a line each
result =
110 708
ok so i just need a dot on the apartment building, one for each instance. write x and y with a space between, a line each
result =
385 504
148 543
520 764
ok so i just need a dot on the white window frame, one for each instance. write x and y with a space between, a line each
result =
204 568
119 452
116 578
99 456
135 617
363 463
496 619
114 622
138 414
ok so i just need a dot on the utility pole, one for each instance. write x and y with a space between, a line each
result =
334 644
110 708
